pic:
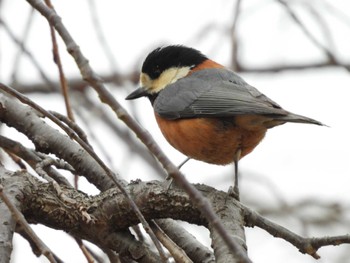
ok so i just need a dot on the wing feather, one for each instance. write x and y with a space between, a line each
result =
213 93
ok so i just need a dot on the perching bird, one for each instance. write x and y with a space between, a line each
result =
204 110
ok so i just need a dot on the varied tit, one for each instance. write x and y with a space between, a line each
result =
205 110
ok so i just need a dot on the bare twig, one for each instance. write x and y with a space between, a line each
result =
234 39
76 84
307 33
71 124
16 160
194 249
89 257
101 37
178 254
26 30
31 157
305 245
304 66
57 59
327 32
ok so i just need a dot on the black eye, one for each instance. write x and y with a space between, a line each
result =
156 71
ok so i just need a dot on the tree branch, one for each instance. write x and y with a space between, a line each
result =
49 140
305 245
13 205
194 249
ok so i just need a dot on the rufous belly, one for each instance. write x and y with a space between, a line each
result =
213 140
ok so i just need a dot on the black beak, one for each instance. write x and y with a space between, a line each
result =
140 92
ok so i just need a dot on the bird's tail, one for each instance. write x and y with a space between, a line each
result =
291 117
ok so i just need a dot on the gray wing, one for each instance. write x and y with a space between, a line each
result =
213 93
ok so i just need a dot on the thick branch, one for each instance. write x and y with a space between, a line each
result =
49 140
194 249
232 219
90 217
7 222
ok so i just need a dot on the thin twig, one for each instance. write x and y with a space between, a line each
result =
327 32
307 33
178 254
57 59
89 257
304 66
101 37
63 80
234 39
16 160
193 248
31 157
73 125
17 60
305 245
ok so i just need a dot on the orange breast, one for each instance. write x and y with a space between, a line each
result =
212 140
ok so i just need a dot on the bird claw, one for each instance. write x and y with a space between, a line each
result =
233 192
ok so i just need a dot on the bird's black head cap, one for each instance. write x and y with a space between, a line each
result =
163 58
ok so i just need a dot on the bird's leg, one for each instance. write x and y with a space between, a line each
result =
178 167
185 161
234 192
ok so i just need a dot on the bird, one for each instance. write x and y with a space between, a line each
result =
205 110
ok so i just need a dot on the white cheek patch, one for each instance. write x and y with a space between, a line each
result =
145 81
169 76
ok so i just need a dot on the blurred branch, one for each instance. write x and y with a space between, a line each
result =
118 80
76 83
306 32
284 67
234 38
32 58
101 37
25 34
62 78
327 33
